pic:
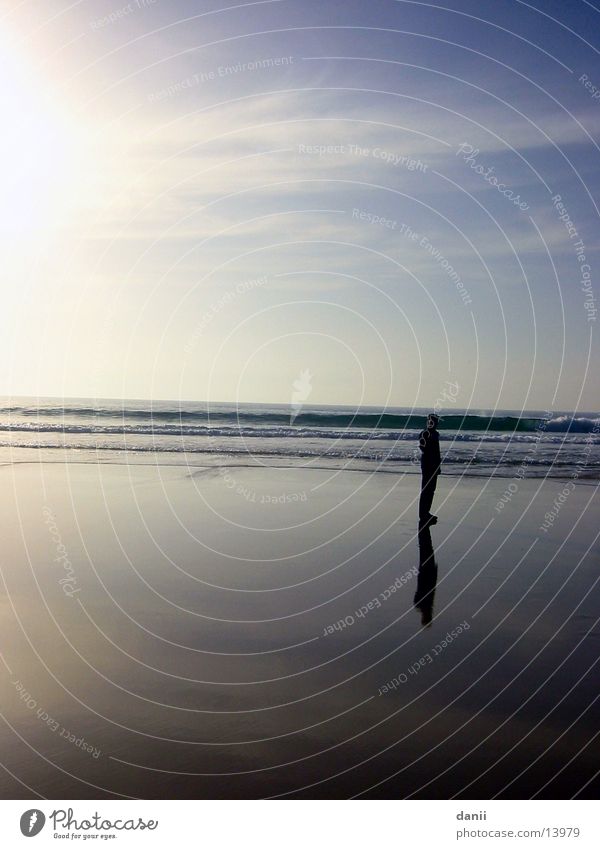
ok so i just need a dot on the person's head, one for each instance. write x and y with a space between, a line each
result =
432 421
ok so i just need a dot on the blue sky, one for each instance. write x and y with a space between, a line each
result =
205 201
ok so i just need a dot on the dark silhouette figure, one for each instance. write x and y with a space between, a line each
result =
426 578
429 443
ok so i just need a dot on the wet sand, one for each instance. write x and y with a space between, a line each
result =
251 632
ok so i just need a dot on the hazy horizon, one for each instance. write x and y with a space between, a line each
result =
475 409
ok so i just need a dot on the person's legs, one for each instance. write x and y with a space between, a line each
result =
428 484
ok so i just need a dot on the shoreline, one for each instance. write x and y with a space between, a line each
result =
40 456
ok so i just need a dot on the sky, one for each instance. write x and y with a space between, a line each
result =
205 201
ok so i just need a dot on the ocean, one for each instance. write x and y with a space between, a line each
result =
504 443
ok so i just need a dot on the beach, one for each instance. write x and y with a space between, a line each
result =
250 631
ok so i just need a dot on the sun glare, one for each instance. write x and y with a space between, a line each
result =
36 149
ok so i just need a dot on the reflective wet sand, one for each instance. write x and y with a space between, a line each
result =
253 632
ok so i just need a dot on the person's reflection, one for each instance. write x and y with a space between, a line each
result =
427 576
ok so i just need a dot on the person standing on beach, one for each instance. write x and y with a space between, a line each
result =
429 443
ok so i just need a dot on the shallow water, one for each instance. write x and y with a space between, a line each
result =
480 443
